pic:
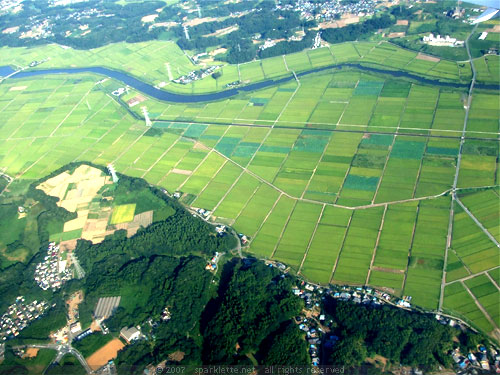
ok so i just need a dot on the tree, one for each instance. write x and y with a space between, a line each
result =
349 352
288 348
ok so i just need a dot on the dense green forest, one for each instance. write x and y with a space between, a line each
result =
403 337
251 310
255 303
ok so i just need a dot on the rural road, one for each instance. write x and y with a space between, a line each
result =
457 169
62 350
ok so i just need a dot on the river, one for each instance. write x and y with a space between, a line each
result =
196 98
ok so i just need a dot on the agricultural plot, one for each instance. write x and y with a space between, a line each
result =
458 299
487 294
474 249
122 214
396 238
483 115
326 244
267 238
297 234
358 247
425 267
484 206
310 187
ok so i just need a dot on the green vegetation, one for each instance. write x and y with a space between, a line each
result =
68 365
13 364
345 178
91 343
254 303
409 338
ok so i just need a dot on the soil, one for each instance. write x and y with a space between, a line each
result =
105 354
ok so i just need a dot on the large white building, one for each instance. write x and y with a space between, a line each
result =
440 41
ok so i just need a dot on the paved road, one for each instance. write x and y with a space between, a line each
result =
62 349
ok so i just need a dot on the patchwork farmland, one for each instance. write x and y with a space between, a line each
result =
344 176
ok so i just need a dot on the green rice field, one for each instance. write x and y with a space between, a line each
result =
344 176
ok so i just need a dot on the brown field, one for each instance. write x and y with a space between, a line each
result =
389 270
105 354
349 18
31 353
75 192
198 21
402 23
176 356
224 31
140 220
346 20
18 88
200 146
494 29
150 18
182 171
217 51
73 302
77 223
329 25
165 24
422 56
396 35
68 245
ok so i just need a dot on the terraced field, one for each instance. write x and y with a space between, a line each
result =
342 175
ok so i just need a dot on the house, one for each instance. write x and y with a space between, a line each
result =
75 327
130 334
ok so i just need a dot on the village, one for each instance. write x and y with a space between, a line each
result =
196 75
329 10
19 315
53 272
318 329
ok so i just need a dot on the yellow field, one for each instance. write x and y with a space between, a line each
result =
123 214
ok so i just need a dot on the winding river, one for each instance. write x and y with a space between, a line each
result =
195 98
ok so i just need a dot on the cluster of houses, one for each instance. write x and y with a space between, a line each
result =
478 361
404 302
52 272
447 41
165 314
317 40
195 75
361 295
268 43
204 213
317 330
232 84
243 239
328 10
19 315
119 91
313 336
221 230
10 6
212 264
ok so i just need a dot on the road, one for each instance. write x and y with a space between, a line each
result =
62 350
457 169
237 248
